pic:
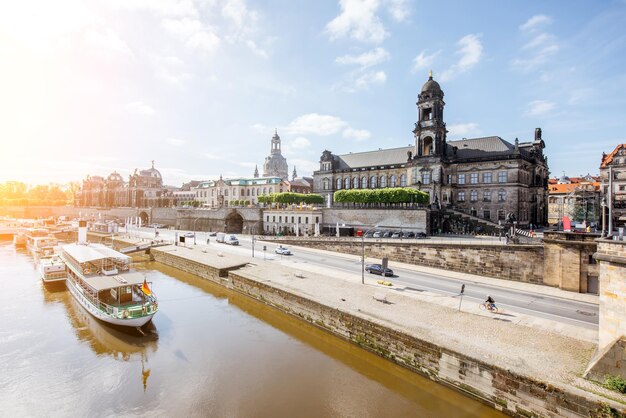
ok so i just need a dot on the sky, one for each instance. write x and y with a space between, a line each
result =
199 86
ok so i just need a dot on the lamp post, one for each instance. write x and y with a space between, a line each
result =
363 253
603 204
194 230
253 231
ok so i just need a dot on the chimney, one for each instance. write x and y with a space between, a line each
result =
82 232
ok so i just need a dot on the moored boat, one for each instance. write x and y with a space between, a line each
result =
52 270
40 242
101 280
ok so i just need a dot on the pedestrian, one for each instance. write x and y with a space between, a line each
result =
207 241
506 239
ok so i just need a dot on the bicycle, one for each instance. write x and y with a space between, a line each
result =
485 306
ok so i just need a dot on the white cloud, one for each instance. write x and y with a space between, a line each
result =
470 51
580 95
373 77
538 50
109 41
300 143
176 142
170 69
399 9
534 22
193 34
139 108
241 17
357 134
365 60
463 130
539 108
358 20
314 123
256 49
305 167
423 61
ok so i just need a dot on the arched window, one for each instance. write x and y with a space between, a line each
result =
355 183
252 192
346 183
325 184
271 190
373 182
265 190
392 181
403 180
258 191
248 192
225 192
364 182
338 184
383 181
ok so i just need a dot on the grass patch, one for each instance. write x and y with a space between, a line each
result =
616 383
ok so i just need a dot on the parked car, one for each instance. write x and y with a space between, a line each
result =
212 234
396 234
282 250
420 235
377 234
387 234
409 234
189 235
378 269
368 234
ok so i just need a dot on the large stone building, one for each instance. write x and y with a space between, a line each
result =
224 192
144 189
486 177
613 174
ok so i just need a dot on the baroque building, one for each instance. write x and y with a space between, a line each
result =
577 198
144 189
488 177
613 175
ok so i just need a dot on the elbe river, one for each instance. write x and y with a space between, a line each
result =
208 352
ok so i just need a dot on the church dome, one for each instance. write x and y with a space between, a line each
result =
151 172
431 86
115 176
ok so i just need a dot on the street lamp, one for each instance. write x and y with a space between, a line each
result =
252 231
194 230
603 204
363 253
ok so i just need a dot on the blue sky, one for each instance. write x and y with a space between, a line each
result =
199 86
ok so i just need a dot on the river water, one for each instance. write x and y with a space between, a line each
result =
208 352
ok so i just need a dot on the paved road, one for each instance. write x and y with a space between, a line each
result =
529 303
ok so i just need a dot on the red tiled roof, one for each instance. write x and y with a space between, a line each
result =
608 159
567 188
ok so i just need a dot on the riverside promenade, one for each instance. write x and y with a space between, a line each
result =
521 367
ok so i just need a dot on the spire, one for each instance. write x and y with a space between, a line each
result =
430 75
256 171
295 174
152 163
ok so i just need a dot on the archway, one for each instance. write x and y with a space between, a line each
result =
233 223
145 219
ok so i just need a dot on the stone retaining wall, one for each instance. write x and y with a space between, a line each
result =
511 393
522 263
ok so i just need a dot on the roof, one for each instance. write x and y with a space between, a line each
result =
91 252
109 282
570 187
467 147
608 159
372 158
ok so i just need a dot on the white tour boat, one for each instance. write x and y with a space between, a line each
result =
40 242
101 280
52 270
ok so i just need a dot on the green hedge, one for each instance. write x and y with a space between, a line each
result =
292 198
386 196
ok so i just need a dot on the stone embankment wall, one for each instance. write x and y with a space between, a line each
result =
522 263
612 258
509 392
569 263
406 219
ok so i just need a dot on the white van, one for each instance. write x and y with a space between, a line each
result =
227 238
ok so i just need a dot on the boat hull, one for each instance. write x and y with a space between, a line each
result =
98 314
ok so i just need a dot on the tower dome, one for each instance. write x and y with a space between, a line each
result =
431 86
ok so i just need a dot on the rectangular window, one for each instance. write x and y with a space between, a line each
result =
317 219
501 196
299 220
292 219
306 220
461 179
280 219
474 178
425 178
268 218
273 218
486 196
461 197
502 177
487 214
449 178
486 177
473 196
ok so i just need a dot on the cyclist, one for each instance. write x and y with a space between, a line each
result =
490 302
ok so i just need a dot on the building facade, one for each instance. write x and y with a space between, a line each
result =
577 198
485 177
291 221
225 192
613 175
144 189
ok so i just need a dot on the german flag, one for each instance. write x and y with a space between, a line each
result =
145 289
